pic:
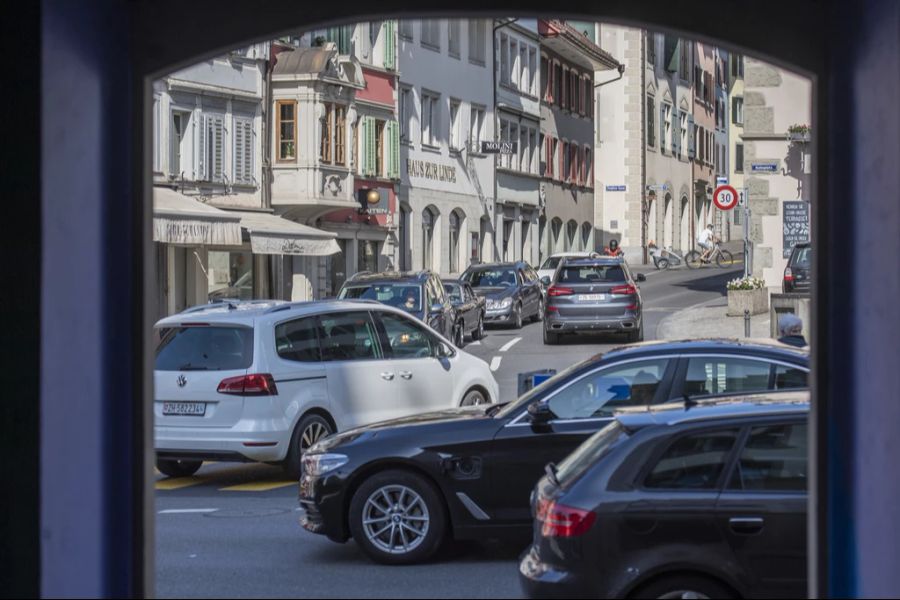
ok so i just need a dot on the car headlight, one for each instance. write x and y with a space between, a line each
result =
506 303
319 464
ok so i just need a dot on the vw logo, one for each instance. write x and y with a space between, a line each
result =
181 381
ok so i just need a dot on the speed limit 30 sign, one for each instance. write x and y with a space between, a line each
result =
725 197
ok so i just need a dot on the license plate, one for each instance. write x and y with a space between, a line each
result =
590 297
187 409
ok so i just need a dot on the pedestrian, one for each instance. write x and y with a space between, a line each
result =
790 330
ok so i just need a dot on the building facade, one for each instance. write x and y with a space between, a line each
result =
215 233
735 140
722 218
445 108
776 164
568 62
704 119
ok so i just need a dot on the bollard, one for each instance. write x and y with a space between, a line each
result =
746 323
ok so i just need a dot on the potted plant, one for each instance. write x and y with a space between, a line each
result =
799 133
747 293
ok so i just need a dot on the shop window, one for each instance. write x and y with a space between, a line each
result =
230 275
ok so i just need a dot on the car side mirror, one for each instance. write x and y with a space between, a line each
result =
641 277
444 351
545 280
540 414
436 307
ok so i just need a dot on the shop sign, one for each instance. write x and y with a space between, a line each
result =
430 170
795 218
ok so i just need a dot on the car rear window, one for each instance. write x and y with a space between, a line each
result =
801 257
551 262
592 274
207 348
405 296
589 452
492 278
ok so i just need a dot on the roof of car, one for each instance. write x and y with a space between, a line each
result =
481 266
595 260
771 403
248 312
393 276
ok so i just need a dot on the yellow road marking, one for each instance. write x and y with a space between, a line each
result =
176 483
259 486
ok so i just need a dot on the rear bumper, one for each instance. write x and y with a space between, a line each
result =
221 444
561 324
540 580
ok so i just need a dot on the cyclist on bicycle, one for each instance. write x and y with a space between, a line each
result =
707 240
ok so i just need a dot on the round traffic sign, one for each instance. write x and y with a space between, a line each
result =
725 197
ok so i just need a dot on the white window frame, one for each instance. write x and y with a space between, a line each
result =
430 118
405 102
454 27
504 60
476 126
430 34
406 29
455 122
477 41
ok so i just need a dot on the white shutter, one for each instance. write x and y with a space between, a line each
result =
243 150
218 148
237 151
202 145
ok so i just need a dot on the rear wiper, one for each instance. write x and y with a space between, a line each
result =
550 470
190 367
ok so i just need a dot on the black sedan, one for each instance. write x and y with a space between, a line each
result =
512 292
399 488
470 309
696 501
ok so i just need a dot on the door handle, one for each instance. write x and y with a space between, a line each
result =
406 374
746 525
388 376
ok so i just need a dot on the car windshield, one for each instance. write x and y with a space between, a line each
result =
551 262
591 274
491 277
454 290
205 349
589 452
528 396
403 296
802 257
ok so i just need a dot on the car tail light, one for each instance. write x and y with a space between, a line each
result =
258 384
788 274
624 290
556 290
631 307
560 520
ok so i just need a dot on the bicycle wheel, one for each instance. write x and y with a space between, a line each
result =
692 259
724 259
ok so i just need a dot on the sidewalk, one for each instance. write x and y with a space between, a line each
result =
708 320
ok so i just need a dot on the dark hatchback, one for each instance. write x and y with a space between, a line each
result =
705 501
469 472
798 272
469 311
512 292
421 294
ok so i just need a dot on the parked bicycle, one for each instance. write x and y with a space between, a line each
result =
723 258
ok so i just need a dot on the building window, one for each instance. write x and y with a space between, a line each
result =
514 63
514 137
429 118
684 64
477 39
665 134
533 70
325 138
651 121
476 126
504 59
455 126
230 275
525 149
428 219
340 135
453 37
573 163
588 97
737 66
405 110
564 88
566 162
379 148
738 158
651 48
524 70
588 167
431 34
354 148
545 77
212 146
737 110
454 242
287 134
178 125
534 148
243 150
406 29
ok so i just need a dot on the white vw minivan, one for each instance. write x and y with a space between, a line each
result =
263 381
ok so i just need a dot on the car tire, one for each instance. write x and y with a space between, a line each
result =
539 315
415 513
308 431
690 586
459 335
517 317
178 468
474 397
550 339
479 329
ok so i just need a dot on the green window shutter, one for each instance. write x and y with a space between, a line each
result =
364 145
394 154
390 61
371 157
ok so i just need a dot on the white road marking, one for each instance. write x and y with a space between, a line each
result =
475 343
510 344
495 363
178 511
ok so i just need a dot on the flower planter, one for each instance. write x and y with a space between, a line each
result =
799 137
756 301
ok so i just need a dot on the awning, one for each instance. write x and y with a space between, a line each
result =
273 235
179 219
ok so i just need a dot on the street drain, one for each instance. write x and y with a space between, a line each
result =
248 513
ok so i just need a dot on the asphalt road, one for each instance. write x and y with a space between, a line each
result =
232 531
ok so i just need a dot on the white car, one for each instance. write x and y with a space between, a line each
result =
549 267
263 381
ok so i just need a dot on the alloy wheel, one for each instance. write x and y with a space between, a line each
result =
685 595
312 434
395 519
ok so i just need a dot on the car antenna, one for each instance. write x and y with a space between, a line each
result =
689 402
